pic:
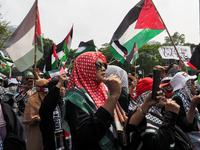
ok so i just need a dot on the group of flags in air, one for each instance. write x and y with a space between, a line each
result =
141 24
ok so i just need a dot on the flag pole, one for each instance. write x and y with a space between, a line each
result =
135 68
70 64
112 61
166 30
10 73
36 19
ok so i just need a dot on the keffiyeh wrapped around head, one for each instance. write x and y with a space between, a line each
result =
84 76
143 88
185 94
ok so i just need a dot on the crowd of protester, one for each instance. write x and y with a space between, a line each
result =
101 107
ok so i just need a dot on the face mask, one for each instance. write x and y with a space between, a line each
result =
12 89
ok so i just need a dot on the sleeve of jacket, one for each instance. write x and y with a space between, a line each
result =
50 102
181 119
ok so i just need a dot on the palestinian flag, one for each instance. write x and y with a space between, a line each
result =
56 72
136 66
85 47
141 24
39 73
51 62
64 47
3 64
21 44
133 55
190 67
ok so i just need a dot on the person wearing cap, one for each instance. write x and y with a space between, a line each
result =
150 128
23 92
167 88
12 87
165 82
184 93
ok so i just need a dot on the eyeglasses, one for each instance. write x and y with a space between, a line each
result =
99 65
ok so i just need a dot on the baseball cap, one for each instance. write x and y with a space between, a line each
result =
180 79
172 72
12 80
166 79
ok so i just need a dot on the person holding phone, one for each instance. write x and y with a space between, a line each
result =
151 128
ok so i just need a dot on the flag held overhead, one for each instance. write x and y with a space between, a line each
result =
85 47
63 48
140 25
20 45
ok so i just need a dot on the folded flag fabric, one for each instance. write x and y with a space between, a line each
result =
20 46
85 47
45 90
63 48
141 24
56 72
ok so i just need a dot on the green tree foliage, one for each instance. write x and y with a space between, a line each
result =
179 39
47 45
4 31
149 57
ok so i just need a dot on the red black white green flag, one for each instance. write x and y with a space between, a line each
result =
131 58
63 48
141 24
51 62
85 47
21 44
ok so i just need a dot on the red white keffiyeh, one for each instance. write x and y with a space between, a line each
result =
84 76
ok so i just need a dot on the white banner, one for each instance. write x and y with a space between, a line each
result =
168 52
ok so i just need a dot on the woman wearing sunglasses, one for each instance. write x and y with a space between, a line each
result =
88 110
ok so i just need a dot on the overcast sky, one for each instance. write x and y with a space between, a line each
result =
98 19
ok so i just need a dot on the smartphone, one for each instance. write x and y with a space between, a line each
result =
156 83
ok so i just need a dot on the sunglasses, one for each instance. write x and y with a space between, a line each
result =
99 65
28 79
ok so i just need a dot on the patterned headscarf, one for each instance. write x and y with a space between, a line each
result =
84 76
143 88
122 74
185 94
